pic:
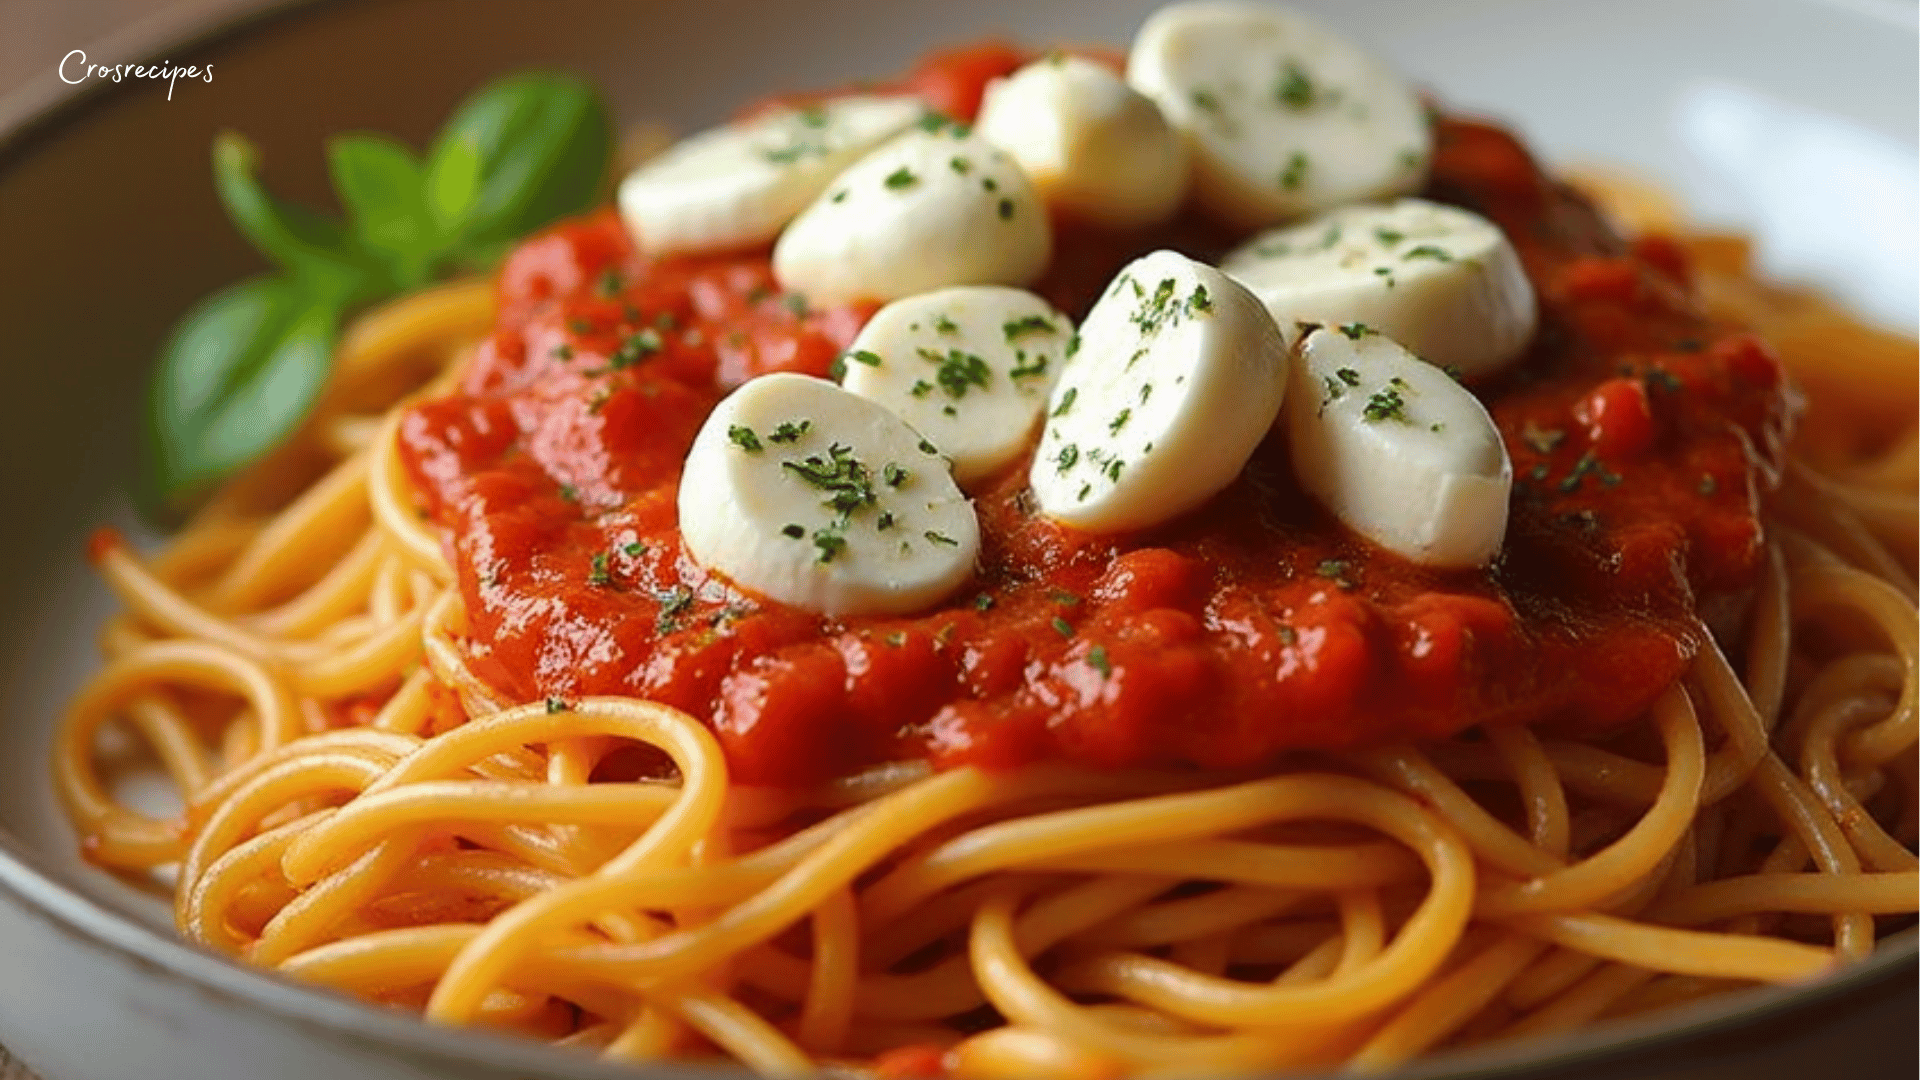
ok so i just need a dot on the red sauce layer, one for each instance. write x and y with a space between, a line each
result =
1640 437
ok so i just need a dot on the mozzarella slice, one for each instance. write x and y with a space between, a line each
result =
1285 117
1396 449
1179 374
969 367
936 206
735 186
1442 281
1094 146
814 497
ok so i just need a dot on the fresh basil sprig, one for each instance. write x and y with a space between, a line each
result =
243 368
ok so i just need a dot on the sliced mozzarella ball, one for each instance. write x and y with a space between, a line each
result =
1285 117
1442 281
736 186
1396 449
1179 374
817 498
969 367
936 206
1093 145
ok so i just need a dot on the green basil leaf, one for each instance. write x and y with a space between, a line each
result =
453 183
307 244
238 375
380 183
542 139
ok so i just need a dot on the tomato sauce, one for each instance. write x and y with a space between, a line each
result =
1641 438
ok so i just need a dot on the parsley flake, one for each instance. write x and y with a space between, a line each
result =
744 438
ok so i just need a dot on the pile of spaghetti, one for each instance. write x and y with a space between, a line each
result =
362 813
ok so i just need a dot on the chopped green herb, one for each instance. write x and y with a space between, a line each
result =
829 543
1355 331
956 370
940 538
862 356
1062 596
1295 88
982 602
1062 627
556 705
1097 660
674 603
570 493
1068 457
1385 405
610 282
1337 571
1295 173
1066 401
793 530
900 178
848 482
1541 440
1026 367
1073 345
789 431
944 325
1662 379
1199 302
797 304
633 549
1005 209
744 438
1119 421
598 575
960 165
1428 251
638 346
893 474
921 388
1349 376
883 522
1032 324
1389 237
564 350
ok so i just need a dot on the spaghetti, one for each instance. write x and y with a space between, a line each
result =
364 812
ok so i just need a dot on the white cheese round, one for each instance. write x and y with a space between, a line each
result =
738 185
1396 449
936 206
1179 375
1285 117
969 367
1096 148
809 495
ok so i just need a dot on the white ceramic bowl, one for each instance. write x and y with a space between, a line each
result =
1791 119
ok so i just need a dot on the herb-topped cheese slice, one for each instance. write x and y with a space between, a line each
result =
1285 117
814 497
1179 375
737 185
1095 147
969 367
1442 281
936 206
1396 449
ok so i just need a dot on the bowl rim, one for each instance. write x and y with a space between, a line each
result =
41 109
